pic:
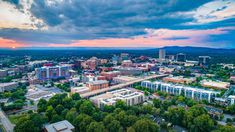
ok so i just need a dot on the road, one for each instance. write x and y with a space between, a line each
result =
9 127
122 85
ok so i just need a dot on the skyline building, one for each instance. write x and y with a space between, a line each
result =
162 54
204 60
181 57
52 72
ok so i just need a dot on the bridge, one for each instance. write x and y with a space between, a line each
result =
122 85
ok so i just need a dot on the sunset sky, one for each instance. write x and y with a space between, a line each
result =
117 23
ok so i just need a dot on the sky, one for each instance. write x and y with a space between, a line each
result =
117 23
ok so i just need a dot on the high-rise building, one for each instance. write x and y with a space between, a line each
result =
204 60
181 57
52 72
162 54
124 56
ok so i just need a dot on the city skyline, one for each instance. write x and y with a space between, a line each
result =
110 23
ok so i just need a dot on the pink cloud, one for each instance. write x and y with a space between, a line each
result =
153 38
9 43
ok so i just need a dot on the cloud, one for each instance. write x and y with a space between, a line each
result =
156 38
13 17
214 11
93 22
8 43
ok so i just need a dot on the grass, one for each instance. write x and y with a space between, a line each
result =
2 129
15 118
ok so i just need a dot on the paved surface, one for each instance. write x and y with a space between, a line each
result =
9 127
122 85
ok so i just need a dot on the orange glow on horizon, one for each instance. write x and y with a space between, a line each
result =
8 43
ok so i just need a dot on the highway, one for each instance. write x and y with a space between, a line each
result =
122 85
9 127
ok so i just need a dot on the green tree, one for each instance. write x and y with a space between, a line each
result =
226 128
157 103
176 115
76 96
145 125
71 114
81 122
26 125
56 118
49 112
68 103
87 107
96 127
114 126
202 123
59 108
120 104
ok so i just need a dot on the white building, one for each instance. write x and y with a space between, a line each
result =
189 92
231 99
8 86
130 97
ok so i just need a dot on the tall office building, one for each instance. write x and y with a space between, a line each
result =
204 60
181 57
162 54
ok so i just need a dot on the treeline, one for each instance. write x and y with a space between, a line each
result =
119 118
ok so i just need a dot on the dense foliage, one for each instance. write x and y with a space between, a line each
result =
88 118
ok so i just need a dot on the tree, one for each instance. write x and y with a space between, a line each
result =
231 109
56 118
49 112
108 108
78 104
120 104
59 108
87 108
176 115
96 127
109 118
202 123
71 114
191 114
145 125
26 125
114 126
76 96
147 109
157 103
68 103
226 128
81 122
98 116
38 119
130 129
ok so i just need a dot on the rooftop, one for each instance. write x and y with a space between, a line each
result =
62 126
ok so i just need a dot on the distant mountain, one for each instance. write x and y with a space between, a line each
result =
218 55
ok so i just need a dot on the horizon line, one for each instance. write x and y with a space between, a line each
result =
46 47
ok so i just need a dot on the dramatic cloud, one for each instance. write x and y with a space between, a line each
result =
213 12
118 22
13 17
